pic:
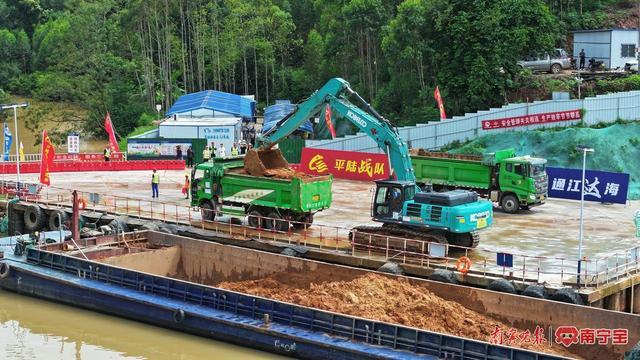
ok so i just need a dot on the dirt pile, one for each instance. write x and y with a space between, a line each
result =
443 155
380 298
257 162
285 173
269 163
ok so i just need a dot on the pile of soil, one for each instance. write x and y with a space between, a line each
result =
381 298
269 163
443 155
285 173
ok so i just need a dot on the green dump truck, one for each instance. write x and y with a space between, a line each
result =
515 182
222 185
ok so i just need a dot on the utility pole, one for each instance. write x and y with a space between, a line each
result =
584 150
17 142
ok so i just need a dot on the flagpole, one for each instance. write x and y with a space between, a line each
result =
15 121
41 156
4 126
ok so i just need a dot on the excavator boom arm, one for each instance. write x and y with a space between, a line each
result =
334 93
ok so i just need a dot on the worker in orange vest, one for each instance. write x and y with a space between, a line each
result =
187 186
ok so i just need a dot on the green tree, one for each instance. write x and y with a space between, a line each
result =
469 48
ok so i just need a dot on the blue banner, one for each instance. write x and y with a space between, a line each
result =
7 142
599 186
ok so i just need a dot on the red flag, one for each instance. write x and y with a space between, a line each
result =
46 158
108 125
327 118
436 94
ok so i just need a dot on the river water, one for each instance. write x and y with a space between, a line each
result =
37 329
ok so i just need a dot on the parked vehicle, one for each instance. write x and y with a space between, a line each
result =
223 186
631 66
595 65
553 63
515 182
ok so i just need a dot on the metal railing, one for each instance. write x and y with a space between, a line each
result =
595 272
64 157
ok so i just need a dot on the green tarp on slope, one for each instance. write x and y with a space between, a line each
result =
617 148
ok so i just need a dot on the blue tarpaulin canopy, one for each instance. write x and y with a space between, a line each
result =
213 103
282 108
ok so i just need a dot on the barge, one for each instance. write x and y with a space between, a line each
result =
157 278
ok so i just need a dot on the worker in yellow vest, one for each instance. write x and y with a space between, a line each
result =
155 181
234 150
206 154
107 153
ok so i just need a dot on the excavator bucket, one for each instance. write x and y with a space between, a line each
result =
265 162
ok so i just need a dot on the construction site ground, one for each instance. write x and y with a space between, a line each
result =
549 231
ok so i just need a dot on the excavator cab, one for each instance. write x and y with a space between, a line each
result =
389 199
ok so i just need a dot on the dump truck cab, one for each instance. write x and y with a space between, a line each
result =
521 183
205 180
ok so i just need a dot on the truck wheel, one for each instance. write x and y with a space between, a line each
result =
255 219
445 276
556 68
510 204
502 285
567 295
306 220
535 291
33 218
276 223
57 218
207 211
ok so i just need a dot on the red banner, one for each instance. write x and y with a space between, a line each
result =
532 119
116 156
438 97
46 158
327 118
344 164
108 126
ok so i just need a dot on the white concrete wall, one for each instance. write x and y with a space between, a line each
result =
595 44
601 108
617 39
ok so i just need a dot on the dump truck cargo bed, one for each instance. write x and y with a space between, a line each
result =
287 198
456 171
300 194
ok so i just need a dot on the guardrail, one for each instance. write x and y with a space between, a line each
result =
595 272
93 165
116 156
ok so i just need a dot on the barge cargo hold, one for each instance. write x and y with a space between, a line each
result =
248 320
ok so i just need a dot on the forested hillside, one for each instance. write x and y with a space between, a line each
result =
127 55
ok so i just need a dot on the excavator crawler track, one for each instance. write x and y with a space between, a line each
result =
376 238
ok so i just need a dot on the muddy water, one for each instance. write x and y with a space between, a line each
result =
37 329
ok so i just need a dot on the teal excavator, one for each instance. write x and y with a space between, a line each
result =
399 204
